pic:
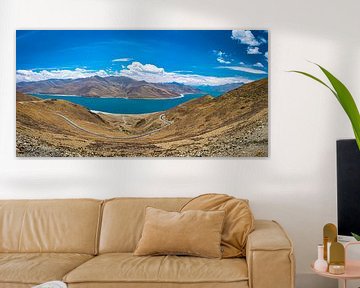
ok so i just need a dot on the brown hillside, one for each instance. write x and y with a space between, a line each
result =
208 113
25 97
42 116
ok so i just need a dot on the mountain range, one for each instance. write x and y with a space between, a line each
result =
220 89
112 86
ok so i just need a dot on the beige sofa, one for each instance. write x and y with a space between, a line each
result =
89 243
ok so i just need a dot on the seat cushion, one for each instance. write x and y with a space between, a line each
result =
242 284
130 269
15 285
35 268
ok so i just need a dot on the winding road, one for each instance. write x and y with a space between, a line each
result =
161 117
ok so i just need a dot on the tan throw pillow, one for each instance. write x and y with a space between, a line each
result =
239 220
196 233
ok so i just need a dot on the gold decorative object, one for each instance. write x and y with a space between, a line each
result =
336 269
337 253
337 258
330 236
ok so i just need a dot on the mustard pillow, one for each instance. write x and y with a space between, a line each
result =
193 232
239 220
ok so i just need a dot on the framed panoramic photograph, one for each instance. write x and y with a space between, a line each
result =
142 93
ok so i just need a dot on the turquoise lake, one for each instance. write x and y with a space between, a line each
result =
122 105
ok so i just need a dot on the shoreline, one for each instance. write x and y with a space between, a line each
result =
105 97
126 114
40 94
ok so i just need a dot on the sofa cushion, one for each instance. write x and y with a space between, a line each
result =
63 226
237 284
36 268
194 232
15 285
239 220
126 268
123 220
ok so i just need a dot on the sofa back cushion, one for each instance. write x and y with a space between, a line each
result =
123 220
238 224
64 226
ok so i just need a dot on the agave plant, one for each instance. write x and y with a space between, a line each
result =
344 97
346 100
357 237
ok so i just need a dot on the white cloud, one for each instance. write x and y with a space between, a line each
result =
135 70
258 64
219 53
243 69
181 71
266 55
31 75
262 40
154 74
245 37
253 50
138 68
222 60
122 60
222 57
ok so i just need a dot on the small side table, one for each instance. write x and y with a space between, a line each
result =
352 269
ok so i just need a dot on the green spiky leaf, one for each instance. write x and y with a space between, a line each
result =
356 236
344 97
316 79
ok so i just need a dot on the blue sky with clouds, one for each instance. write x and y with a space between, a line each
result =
199 57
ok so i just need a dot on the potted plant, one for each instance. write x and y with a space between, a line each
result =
344 97
347 102
357 237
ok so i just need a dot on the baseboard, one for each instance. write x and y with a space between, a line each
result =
309 280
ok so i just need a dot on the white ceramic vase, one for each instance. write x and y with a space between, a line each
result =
320 264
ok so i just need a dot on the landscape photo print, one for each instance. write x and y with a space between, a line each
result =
142 93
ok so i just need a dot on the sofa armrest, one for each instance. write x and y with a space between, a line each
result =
269 255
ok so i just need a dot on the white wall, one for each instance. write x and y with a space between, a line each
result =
296 185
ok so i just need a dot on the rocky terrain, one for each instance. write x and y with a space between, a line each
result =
119 86
232 125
